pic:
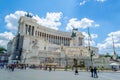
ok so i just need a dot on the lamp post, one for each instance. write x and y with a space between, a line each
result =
90 51
91 56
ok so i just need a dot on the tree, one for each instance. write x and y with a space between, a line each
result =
107 55
118 57
2 50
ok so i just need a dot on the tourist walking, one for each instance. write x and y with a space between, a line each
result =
91 70
76 71
50 68
95 72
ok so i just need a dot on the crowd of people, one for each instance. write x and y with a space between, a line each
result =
11 67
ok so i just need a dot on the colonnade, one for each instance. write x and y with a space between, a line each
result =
54 39
29 30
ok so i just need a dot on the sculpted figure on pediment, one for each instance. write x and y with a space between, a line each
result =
35 42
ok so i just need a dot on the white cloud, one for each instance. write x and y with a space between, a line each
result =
5 37
83 2
83 23
3 43
97 25
108 42
93 36
100 0
52 20
12 20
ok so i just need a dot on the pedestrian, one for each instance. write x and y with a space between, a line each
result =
91 70
102 68
50 68
76 71
40 66
54 68
25 66
12 67
95 72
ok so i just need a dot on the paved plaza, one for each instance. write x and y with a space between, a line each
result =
31 74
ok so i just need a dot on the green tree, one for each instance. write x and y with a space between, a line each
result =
2 50
118 57
107 55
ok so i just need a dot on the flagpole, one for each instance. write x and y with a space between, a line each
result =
89 49
114 54
113 45
88 39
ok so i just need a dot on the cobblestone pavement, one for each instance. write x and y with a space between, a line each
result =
31 74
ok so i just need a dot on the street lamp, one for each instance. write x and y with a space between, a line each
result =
90 51
91 56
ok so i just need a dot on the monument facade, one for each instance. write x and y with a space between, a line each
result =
36 44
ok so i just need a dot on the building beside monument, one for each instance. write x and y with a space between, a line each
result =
36 44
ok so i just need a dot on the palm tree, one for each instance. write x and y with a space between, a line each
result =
2 50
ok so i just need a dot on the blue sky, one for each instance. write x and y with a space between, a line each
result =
101 16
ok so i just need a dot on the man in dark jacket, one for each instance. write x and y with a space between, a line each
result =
95 72
91 70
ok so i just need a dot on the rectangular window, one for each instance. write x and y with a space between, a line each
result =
32 30
26 28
